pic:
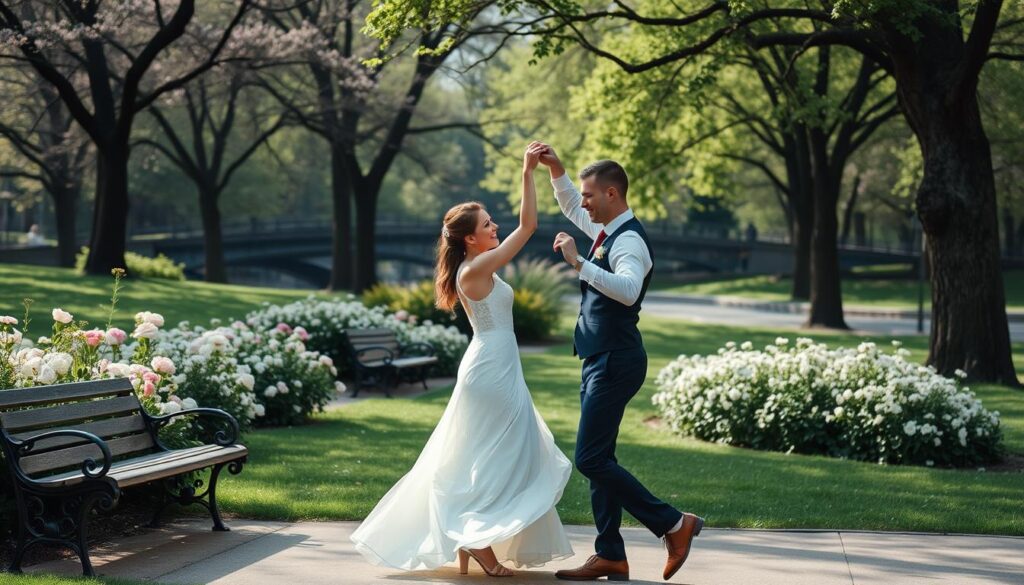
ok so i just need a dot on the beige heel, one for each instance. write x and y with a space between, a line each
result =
498 570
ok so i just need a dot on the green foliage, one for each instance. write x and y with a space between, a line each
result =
535 317
141 266
415 302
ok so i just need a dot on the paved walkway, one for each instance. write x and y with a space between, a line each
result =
730 311
275 553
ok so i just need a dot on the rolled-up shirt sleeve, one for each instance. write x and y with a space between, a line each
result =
630 261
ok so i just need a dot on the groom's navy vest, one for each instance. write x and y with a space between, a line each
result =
605 324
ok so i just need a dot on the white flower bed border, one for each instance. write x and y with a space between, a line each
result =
857 403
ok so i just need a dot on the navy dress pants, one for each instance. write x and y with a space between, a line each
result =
610 380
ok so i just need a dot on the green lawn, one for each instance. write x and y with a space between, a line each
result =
88 297
879 293
340 466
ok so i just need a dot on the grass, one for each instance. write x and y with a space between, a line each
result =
881 292
88 297
340 466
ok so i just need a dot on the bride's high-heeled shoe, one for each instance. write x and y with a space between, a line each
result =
498 570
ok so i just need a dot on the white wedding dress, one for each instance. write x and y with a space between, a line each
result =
490 474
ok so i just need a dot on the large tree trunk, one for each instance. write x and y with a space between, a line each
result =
826 291
110 215
65 202
799 174
366 238
1009 233
956 202
341 245
213 237
851 204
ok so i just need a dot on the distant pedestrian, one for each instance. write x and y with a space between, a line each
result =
34 236
751 233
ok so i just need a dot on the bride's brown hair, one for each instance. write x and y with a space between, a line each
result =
459 222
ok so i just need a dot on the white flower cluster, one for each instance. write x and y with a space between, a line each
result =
71 354
858 403
327 319
235 368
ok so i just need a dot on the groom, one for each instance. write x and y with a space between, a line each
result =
614 277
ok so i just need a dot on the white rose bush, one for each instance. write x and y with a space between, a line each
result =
325 320
856 403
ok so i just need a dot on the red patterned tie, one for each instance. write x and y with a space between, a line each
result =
597 242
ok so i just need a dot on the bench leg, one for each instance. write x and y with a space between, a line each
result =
59 519
218 524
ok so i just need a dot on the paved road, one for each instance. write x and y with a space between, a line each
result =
729 315
313 553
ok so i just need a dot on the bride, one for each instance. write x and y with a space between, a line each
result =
487 481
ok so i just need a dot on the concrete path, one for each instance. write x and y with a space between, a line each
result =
697 309
275 553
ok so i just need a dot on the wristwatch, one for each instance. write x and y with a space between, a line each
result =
579 262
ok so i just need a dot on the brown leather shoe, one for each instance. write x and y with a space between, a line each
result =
596 567
678 543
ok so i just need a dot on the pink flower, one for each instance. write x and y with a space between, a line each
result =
164 365
115 336
8 320
148 389
402 315
302 333
283 328
151 377
62 316
94 337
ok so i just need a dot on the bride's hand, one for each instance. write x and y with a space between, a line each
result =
532 156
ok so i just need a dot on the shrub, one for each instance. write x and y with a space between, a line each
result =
858 403
550 280
327 319
414 302
534 316
539 288
141 266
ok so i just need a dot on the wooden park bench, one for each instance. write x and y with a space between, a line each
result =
73 447
379 360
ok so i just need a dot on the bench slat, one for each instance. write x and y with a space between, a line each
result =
159 465
75 455
103 429
63 392
411 362
68 413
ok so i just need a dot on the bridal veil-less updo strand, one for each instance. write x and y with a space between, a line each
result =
459 222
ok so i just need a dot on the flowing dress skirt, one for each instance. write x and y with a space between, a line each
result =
490 475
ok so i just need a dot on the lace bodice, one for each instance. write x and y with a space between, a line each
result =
493 312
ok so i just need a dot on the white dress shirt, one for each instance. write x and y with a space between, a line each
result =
630 259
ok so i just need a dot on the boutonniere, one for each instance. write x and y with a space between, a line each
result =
599 253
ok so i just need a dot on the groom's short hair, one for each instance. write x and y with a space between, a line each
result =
608 172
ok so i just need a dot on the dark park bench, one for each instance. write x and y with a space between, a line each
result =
379 360
71 448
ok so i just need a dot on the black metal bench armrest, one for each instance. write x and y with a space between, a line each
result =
418 349
390 357
89 465
222 437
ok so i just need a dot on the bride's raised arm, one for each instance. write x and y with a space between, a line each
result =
491 260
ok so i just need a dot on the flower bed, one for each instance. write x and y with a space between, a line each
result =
326 320
857 403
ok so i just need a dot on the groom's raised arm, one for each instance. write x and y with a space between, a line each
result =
570 201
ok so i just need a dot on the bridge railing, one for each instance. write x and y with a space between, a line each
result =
707 231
